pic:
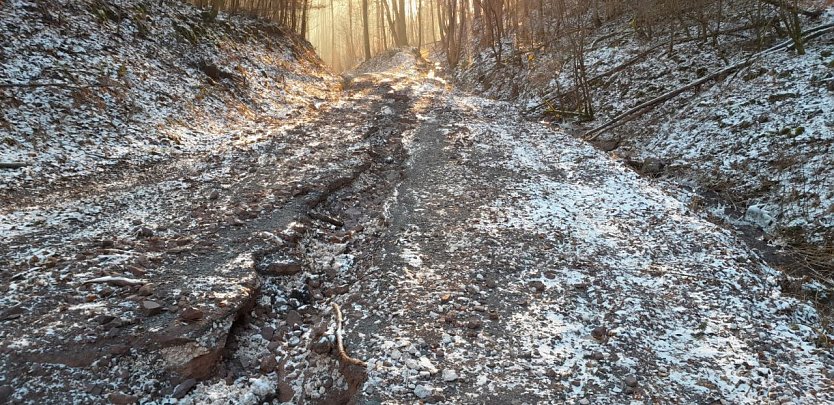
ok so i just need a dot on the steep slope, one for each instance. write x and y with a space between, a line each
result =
151 134
760 138
90 87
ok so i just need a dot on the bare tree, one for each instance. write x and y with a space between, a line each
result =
366 30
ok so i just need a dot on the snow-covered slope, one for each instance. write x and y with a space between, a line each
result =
88 87
762 138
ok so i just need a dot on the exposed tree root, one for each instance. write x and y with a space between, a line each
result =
343 356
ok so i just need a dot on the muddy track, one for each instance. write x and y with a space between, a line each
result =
344 218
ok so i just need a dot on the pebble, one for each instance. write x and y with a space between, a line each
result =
268 364
182 389
267 332
537 285
191 315
449 375
151 308
145 290
294 341
294 319
474 323
396 354
450 317
584 401
412 364
630 381
144 232
427 365
599 333
422 392
103 319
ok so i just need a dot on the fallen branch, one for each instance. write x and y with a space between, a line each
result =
641 108
343 356
13 165
326 218
116 281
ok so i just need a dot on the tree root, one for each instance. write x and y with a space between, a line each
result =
343 356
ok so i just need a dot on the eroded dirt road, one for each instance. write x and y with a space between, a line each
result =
477 258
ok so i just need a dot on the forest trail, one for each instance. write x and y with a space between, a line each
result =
477 258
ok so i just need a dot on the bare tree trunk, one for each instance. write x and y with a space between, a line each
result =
366 33
419 24
402 29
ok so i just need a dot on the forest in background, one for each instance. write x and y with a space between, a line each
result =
346 32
